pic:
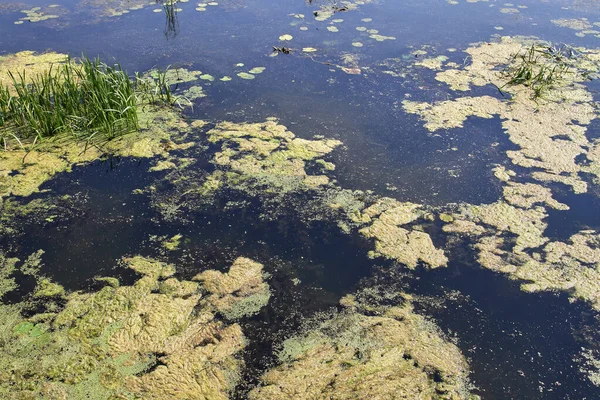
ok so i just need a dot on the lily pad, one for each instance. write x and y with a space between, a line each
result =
286 37
245 75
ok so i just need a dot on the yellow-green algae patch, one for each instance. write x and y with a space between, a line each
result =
572 266
434 63
174 76
582 26
114 8
239 292
36 15
395 354
22 172
408 246
27 61
173 243
549 131
268 152
103 344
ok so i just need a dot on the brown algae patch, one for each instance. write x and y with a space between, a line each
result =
351 355
104 344
387 219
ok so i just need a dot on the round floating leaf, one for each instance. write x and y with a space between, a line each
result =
245 75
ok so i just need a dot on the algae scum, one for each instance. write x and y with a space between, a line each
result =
320 200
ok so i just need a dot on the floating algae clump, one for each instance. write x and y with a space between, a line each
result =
155 339
29 61
239 292
405 245
547 119
397 354
572 266
22 172
269 153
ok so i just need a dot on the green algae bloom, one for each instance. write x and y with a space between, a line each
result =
104 344
352 355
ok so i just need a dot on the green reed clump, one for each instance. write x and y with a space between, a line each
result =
541 67
84 99
155 88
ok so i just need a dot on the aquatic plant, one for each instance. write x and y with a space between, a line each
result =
84 99
171 21
364 351
540 67
155 88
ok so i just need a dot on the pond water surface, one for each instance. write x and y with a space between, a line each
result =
519 345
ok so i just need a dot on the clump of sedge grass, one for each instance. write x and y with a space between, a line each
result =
83 99
542 67
86 99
